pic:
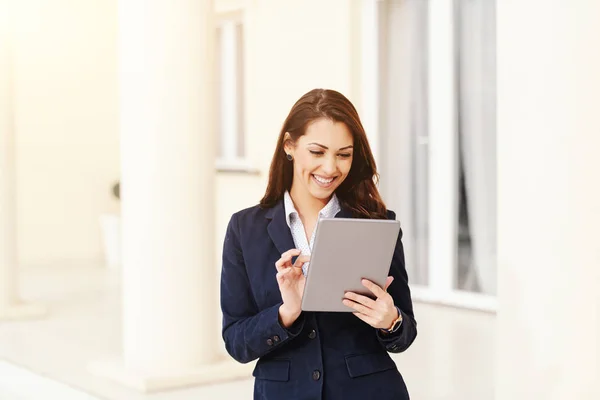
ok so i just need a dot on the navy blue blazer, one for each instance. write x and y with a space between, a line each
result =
322 355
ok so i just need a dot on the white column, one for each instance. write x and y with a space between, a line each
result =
10 305
229 90
443 154
170 290
548 200
370 77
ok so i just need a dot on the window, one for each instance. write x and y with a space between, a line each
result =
437 133
231 151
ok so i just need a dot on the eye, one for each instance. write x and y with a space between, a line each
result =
345 155
316 153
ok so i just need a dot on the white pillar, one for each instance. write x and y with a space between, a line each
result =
548 200
11 307
170 301
370 73
443 153
229 85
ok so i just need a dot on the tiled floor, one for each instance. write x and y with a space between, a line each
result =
452 357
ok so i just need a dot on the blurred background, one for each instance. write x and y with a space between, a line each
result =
131 130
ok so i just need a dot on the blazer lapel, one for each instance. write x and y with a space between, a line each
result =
278 229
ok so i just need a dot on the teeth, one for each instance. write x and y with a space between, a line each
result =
322 180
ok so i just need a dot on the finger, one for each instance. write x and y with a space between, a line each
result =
375 289
359 307
289 273
280 265
286 258
375 322
285 262
388 282
300 261
358 298
291 252
365 318
281 274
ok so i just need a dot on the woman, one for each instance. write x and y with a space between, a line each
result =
322 167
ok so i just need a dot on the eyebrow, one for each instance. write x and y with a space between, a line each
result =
327 148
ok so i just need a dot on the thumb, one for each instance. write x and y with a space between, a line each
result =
388 282
281 275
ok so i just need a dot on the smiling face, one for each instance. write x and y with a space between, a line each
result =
322 159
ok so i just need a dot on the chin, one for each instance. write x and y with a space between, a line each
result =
321 193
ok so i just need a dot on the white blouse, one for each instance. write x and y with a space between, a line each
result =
297 228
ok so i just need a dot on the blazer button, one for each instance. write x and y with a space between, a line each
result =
312 334
270 342
276 339
316 375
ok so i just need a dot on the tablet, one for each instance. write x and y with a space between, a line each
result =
345 251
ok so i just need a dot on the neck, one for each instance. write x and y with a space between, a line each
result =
306 204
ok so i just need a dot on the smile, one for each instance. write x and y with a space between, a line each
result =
323 182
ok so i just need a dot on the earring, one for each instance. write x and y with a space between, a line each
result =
289 157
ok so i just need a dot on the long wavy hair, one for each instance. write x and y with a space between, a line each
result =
358 192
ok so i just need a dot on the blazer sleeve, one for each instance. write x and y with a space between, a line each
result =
400 340
249 333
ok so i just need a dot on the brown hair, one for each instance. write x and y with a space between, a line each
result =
358 192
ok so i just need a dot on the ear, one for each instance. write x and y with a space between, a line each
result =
288 143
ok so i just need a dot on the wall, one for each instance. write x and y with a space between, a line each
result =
67 110
548 320
291 48
66 126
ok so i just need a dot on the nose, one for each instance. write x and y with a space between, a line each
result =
329 166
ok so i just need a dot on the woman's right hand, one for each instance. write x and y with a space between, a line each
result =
291 282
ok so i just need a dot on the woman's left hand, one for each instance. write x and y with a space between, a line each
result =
379 313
